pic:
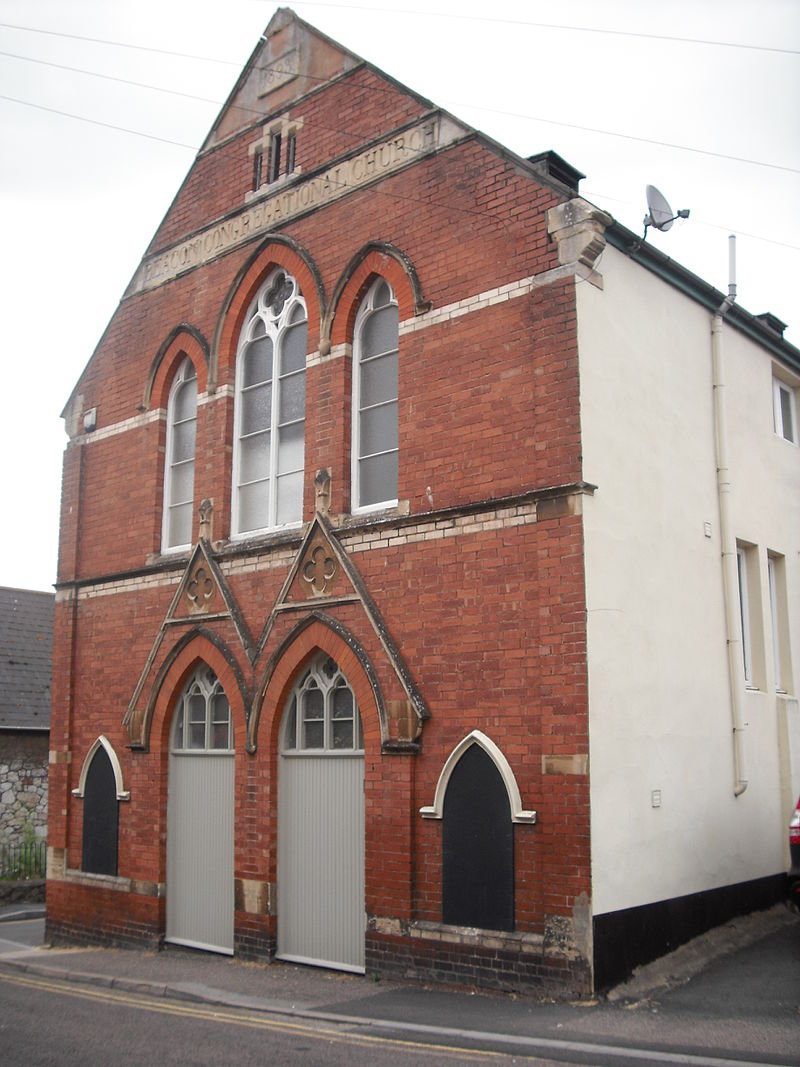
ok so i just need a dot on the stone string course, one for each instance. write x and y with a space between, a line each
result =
353 540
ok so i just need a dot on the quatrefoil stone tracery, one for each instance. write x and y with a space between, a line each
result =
318 570
200 588
279 293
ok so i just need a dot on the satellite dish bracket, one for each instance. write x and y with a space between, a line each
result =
659 213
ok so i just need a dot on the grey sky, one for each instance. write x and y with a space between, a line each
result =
713 124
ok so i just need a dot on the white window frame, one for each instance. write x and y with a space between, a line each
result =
325 676
275 325
780 388
744 616
205 684
779 618
366 309
773 611
184 379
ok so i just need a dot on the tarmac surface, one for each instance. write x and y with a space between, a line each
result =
313 993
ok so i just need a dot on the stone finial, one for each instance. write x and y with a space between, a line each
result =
206 514
322 491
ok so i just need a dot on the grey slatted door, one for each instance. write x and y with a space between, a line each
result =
200 851
321 917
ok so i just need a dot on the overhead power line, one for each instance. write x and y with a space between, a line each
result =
633 137
474 107
454 15
393 195
119 44
461 16
598 198
97 122
109 77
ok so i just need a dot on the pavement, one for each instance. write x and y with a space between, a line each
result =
313 993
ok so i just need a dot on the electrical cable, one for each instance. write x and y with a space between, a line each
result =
466 106
427 13
97 122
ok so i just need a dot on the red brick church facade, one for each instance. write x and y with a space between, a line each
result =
433 580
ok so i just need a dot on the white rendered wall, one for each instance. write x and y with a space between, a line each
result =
659 691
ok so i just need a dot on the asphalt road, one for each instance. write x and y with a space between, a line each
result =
744 1008
58 1024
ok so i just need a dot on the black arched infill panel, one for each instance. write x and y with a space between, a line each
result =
100 816
477 846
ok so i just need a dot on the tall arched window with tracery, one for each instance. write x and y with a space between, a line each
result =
176 532
269 443
375 393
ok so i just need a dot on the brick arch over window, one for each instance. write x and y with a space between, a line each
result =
193 649
275 252
317 633
373 260
183 341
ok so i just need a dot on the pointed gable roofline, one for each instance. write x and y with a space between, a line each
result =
546 169
278 47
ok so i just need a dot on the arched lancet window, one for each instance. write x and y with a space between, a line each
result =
322 715
269 445
375 393
100 816
179 462
202 717
477 845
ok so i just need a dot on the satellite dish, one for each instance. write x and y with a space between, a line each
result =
659 213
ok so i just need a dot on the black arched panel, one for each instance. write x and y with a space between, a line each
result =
477 846
100 816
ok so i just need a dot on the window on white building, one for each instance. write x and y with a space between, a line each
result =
176 530
270 407
779 617
784 410
375 394
747 563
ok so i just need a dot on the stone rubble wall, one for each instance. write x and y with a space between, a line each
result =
23 786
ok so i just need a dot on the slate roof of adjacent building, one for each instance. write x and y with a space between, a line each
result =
26 654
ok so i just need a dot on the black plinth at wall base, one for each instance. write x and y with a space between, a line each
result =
625 939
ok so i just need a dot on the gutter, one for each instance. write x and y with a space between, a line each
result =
676 275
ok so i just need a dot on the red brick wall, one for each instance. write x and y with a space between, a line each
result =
490 623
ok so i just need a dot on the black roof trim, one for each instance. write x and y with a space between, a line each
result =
670 271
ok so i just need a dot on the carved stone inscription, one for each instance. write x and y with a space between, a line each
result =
280 71
354 173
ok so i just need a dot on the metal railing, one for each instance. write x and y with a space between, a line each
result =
21 862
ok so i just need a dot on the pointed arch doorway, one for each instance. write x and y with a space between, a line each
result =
321 917
200 817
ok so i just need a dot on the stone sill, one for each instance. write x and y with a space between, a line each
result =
499 940
98 881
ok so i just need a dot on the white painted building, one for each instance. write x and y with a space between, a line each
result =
694 754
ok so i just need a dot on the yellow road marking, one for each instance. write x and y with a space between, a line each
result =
143 1002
